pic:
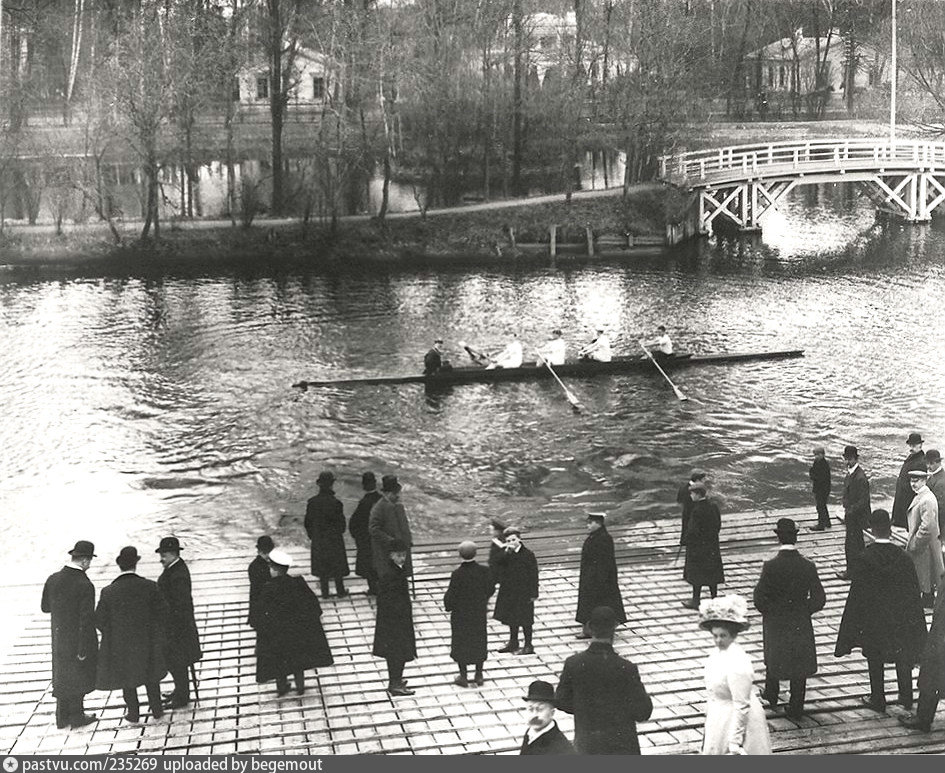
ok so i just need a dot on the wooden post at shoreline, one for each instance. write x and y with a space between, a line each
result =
553 240
511 231
590 241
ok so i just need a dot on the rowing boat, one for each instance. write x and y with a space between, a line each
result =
531 370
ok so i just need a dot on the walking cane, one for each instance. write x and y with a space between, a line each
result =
193 678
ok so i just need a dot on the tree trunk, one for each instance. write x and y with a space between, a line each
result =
517 106
276 101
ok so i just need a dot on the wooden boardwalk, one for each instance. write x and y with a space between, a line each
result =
346 709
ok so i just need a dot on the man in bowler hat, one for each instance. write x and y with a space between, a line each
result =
915 460
598 585
183 642
259 575
131 616
388 522
69 598
883 615
787 594
359 526
604 693
543 735
325 526
856 508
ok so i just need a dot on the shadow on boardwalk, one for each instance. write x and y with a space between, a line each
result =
346 709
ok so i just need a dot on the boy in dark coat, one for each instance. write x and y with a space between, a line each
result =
183 642
703 555
543 735
518 591
604 693
394 638
598 585
69 598
931 682
359 526
467 601
883 615
685 500
290 638
258 576
820 483
325 526
131 616
787 594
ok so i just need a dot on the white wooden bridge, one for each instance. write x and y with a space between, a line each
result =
905 179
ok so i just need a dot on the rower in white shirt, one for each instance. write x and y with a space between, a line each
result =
511 356
555 351
598 349
661 346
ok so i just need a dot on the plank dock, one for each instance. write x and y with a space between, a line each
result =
346 709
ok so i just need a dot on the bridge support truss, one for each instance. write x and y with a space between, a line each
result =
909 196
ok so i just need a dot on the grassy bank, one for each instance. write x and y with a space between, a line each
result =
484 232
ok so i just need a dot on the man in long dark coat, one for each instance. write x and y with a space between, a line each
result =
467 600
703 554
258 576
183 642
325 526
931 682
819 473
856 508
394 637
685 500
518 591
936 484
359 526
389 522
915 460
598 585
787 594
69 598
883 615
131 616
290 638
604 692
543 735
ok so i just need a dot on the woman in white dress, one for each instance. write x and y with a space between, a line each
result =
734 717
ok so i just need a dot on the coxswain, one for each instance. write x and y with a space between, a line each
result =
433 359
598 349
555 351
661 347
511 356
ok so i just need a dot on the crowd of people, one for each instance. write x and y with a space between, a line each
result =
149 629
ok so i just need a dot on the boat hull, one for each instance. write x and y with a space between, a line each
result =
579 369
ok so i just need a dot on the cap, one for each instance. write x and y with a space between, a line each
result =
918 474
497 524
510 530
597 516
83 549
697 474
169 545
325 478
437 340
467 550
698 486
265 544
914 439
281 558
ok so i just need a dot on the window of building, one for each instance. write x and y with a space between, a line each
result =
781 76
262 87
235 90
318 87
771 76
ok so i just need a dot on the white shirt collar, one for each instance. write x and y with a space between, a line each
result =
518 547
70 565
882 541
853 469
787 547
128 571
172 563
534 735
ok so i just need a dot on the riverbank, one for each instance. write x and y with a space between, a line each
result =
483 231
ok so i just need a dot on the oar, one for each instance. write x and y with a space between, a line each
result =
575 405
676 389
477 356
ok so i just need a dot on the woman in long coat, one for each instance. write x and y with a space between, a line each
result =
289 637
598 585
518 590
394 637
325 526
734 717
703 556
467 600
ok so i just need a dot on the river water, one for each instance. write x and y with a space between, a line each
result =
136 406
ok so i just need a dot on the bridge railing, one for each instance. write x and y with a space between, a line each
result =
749 160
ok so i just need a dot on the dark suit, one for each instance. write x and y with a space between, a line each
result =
325 526
856 512
604 693
552 741
820 482
359 527
904 492
467 601
787 594
131 615
259 575
183 642
69 597
931 682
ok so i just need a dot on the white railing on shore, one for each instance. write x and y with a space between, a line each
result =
823 155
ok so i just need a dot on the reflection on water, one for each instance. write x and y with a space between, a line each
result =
136 407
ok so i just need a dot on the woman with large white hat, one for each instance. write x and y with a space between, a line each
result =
734 717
